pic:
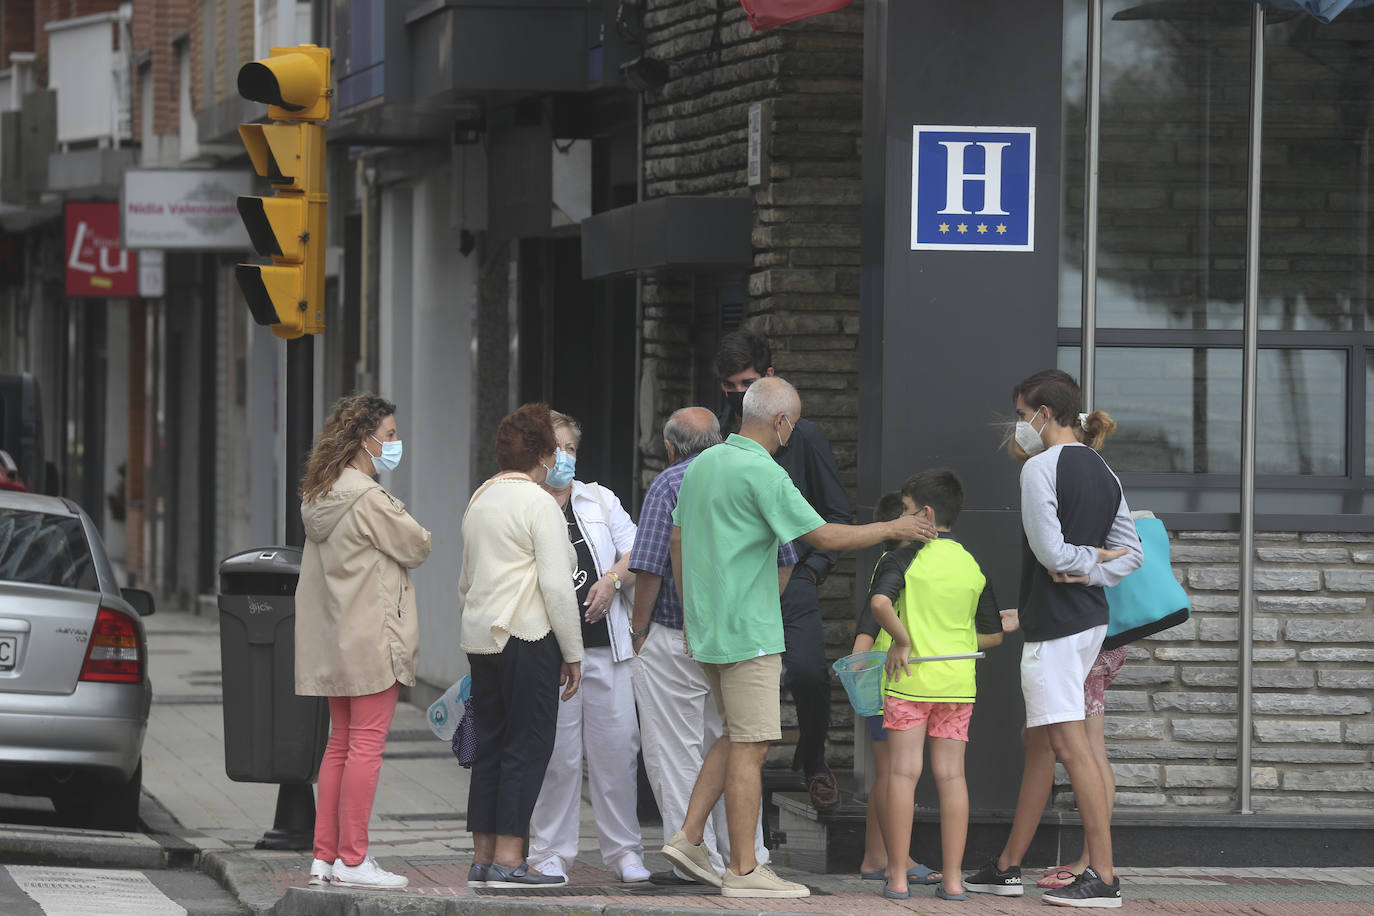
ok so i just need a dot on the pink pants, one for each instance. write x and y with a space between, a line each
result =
348 774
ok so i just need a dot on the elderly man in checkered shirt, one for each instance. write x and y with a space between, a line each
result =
678 722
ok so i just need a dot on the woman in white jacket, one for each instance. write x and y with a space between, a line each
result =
600 721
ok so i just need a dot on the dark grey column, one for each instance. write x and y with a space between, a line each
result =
945 334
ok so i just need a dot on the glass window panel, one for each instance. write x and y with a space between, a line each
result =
1178 409
1174 127
1314 228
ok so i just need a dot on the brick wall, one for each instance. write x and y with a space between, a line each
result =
1171 715
16 29
156 23
803 289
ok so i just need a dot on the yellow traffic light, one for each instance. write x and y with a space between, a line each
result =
274 297
291 156
288 227
276 226
293 81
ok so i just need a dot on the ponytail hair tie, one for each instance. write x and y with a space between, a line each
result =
1083 421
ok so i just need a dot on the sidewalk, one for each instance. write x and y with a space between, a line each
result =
418 830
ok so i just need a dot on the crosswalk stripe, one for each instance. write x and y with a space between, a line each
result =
93 892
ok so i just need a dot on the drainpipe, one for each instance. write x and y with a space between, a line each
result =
1249 383
122 117
362 371
637 459
1093 100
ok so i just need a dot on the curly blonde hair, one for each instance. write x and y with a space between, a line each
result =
350 419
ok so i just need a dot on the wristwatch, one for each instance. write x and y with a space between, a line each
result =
616 580
640 634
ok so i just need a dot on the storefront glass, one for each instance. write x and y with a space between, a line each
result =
1168 421
1171 240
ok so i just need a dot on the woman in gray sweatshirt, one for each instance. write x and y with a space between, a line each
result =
1079 538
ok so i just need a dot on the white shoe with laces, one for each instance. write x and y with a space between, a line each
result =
631 869
553 867
321 872
367 873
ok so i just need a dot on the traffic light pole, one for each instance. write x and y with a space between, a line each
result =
293 826
300 378
288 294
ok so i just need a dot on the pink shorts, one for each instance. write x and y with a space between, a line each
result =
1100 676
943 720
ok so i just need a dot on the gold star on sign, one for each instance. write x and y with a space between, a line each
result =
1001 228
962 227
982 228
944 227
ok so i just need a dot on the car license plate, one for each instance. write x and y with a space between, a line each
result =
9 647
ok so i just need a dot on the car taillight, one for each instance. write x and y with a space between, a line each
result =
115 652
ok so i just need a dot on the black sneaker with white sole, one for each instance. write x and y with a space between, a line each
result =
1087 890
992 880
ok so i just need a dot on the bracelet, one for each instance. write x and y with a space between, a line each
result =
640 634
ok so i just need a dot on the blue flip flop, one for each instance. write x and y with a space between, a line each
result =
916 874
946 895
922 875
895 895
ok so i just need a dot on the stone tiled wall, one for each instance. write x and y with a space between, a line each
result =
803 290
1171 715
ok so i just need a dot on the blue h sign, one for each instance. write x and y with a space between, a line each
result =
973 188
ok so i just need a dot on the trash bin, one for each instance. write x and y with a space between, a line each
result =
270 734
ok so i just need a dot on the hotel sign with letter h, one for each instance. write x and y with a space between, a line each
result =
973 188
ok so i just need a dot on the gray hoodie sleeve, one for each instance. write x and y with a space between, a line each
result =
1040 518
1123 534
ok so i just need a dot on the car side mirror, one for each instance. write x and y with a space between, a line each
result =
140 599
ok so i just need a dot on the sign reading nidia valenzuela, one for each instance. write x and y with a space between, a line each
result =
973 188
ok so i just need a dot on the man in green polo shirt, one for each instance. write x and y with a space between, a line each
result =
735 506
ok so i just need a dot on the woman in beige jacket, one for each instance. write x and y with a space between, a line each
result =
356 630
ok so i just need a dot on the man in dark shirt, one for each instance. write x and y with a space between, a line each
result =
743 358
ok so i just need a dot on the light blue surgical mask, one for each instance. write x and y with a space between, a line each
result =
390 456
562 472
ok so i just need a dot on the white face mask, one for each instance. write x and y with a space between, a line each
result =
1028 437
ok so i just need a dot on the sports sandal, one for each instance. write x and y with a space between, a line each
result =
916 874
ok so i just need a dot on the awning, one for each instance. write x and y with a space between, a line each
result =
666 232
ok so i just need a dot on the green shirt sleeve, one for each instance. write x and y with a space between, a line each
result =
785 510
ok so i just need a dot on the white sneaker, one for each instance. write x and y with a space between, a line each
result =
553 867
366 873
321 872
761 882
631 869
694 860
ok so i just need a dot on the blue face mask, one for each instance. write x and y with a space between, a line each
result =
561 474
390 456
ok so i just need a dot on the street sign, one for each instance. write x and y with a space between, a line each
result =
973 188
96 264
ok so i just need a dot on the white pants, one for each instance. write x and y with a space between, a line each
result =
600 721
678 719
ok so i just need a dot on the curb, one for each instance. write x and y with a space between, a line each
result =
302 902
22 845
244 877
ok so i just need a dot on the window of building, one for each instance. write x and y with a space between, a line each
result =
1171 251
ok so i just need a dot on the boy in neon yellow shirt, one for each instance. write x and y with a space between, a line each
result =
930 599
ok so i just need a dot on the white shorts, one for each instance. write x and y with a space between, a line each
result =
1053 673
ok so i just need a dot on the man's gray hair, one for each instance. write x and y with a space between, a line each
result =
686 438
767 398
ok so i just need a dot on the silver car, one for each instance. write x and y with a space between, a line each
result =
74 688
